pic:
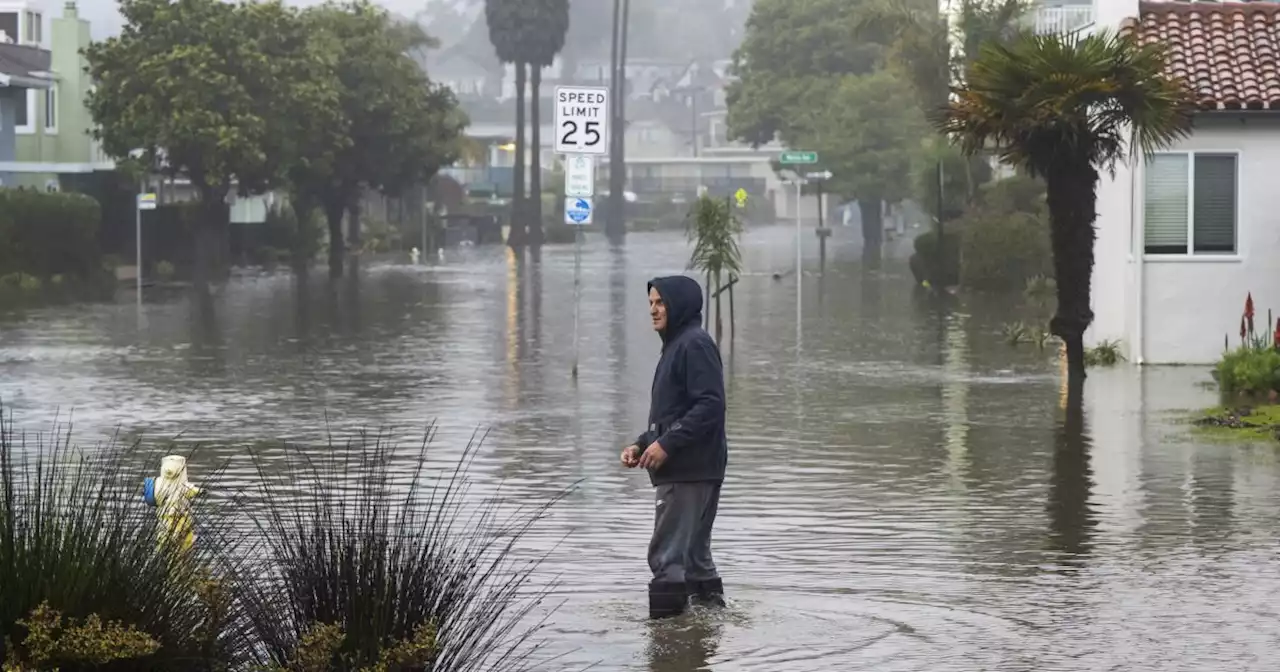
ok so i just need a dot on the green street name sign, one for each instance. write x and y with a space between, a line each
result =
799 157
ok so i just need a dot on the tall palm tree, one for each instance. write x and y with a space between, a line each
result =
507 30
1063 108
548 24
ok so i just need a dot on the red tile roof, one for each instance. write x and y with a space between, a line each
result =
1228 53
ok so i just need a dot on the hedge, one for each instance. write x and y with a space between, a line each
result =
46 234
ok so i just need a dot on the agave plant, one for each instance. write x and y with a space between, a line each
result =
369 562
714 231
83 582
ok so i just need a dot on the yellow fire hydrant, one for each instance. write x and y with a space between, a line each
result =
172 497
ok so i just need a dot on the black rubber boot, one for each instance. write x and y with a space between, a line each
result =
667 599
708 593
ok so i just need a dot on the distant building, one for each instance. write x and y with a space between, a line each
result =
25 80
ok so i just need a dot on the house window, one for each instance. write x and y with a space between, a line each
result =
1191 204
51 109
24 112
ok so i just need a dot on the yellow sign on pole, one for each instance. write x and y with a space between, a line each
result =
741 195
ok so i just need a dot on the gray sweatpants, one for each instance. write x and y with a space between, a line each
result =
680 549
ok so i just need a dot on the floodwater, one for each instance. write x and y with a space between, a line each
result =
905 492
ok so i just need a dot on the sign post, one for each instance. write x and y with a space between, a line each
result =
582 120
820 178
581 134
794 158
146 201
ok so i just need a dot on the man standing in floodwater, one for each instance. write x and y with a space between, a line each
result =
684 450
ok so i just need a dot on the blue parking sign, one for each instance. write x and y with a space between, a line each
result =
577 211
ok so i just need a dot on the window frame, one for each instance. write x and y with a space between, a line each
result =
28 128
1190 254
51 110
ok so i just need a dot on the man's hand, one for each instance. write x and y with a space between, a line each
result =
631 456
653 456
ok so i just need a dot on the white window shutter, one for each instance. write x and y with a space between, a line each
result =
1165 206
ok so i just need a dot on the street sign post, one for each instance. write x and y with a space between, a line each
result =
582 120
146 201
792 158
577 211
579 176
581 133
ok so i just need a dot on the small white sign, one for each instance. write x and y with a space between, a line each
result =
577 211
146 201
582 120
579 176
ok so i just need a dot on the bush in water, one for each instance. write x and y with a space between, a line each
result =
1005 237
44 234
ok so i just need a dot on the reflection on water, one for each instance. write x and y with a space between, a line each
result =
905 493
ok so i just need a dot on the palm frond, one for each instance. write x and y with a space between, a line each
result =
1044 99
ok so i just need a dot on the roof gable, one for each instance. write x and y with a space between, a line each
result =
1228 53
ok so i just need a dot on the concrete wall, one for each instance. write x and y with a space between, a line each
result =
1188 304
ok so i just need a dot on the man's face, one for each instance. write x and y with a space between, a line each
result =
657 310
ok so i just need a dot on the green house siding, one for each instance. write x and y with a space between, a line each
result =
68 140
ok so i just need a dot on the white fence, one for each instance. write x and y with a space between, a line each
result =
1063 20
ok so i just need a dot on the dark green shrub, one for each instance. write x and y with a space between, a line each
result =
939 267
1003 250
1249 372
44 234
1018 193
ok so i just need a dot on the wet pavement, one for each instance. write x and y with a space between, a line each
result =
905 493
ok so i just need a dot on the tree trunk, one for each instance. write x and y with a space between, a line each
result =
706 305
333 211
719 321
210 236
535 178
733 320
872 224
517 236
353 225
299 255
1072 212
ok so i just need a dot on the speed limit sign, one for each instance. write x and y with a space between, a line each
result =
582 120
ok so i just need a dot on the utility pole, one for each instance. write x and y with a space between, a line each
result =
615 222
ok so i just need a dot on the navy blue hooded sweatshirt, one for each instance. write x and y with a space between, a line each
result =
686 407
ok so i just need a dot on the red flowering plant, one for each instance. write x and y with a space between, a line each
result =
1251 340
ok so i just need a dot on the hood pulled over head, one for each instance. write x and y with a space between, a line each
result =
682 296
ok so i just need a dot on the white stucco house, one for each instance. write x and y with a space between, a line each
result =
1185 235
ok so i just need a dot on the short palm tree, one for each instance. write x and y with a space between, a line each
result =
1064 108
714 232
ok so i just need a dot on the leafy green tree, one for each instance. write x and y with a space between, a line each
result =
1063 108
869 131
792 48
395 127
208 91
549 23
